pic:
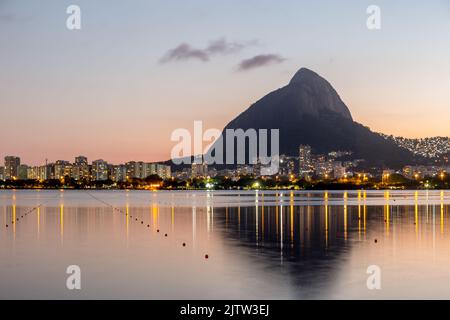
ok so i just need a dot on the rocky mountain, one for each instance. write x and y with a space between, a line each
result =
308 110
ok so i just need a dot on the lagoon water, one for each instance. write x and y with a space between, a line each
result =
260 244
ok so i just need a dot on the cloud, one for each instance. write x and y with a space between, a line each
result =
220 46
185 52
260 61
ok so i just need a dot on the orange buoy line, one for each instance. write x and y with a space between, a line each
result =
27 212
121 211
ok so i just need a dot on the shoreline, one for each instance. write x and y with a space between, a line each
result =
235 189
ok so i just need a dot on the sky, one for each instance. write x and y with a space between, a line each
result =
137 70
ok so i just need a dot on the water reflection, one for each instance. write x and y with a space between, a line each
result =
285 244
315 240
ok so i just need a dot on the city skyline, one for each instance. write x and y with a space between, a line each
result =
307 165
80 169
83 92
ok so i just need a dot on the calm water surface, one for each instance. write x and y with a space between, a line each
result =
260 245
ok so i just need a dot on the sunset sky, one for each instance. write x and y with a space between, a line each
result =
137 70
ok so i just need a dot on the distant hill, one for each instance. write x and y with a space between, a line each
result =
432 147
309 111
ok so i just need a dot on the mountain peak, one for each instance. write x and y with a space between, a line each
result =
309 111
305 75
315 94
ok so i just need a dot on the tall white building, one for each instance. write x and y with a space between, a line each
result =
62 168
99 170
33 173
163 171
305 161
81 168
11 170
141 170
199 170
119 173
